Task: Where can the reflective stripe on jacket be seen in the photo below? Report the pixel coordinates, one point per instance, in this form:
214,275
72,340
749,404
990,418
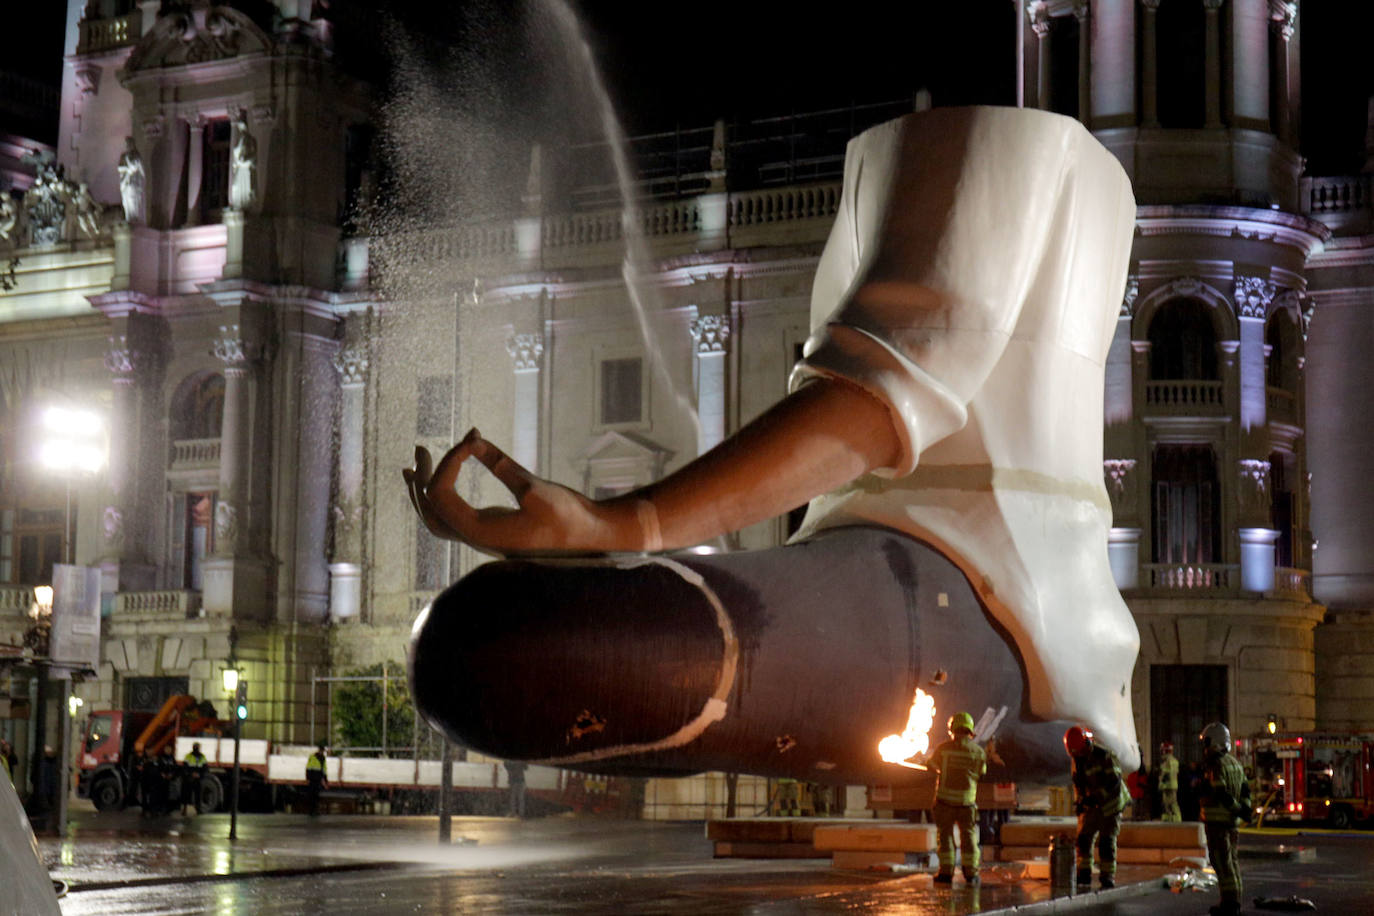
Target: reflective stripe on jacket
961,763
1168,773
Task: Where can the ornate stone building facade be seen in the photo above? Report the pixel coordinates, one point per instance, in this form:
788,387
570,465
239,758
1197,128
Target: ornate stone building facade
262,396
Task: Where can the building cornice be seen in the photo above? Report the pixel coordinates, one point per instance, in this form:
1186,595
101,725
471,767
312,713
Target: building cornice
1305,235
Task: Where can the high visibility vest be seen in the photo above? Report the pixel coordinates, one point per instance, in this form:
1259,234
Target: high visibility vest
1168,773
961,763
194,759
1097,782
5,762
316,762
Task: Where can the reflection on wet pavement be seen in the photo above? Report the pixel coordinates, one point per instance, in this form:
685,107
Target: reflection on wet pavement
118,864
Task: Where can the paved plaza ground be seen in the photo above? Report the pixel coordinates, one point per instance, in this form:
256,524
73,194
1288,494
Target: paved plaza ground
120,863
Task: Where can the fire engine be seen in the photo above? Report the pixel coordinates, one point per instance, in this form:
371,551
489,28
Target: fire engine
1320,776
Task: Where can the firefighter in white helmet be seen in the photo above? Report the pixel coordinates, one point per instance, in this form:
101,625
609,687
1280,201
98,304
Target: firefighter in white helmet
961,763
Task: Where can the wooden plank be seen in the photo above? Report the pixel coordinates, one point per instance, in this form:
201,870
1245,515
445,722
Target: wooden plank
768,851
895,837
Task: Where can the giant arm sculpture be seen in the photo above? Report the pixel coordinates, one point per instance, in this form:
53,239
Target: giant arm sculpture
951,391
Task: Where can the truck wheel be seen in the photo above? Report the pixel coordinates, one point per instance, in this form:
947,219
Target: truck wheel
211,793
1340,817
106,794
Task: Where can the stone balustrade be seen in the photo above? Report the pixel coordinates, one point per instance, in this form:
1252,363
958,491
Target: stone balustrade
666,219
16,599
1185,397
195,453
107,34
1293,582
1192,577
1341,194
169,603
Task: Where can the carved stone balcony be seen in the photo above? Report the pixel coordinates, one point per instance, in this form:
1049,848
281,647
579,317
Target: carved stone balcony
108,34
168,604
15,600
191,454
1201,579
1292,583
1185,398
1345,203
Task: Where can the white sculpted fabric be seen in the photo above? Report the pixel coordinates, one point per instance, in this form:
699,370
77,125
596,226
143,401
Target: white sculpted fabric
972,282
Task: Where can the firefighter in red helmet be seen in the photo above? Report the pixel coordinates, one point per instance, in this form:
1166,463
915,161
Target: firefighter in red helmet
1099,795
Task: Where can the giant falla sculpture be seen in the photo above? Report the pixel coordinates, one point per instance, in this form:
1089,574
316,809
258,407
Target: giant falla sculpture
945,424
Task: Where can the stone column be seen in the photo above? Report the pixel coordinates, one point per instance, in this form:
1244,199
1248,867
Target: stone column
525,351
1149,70
710,333
1040,24
345,572
1257,539
1080,12
1213,109
235,437
1283,26
126,520
195,164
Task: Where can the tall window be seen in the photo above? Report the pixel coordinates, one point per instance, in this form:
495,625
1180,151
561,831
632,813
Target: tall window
622,395
198,408
1283,516
1186,513
214,170
1183,344
192,530
1181,32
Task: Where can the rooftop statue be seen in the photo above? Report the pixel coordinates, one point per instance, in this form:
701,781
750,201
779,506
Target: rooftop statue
949,398
243,164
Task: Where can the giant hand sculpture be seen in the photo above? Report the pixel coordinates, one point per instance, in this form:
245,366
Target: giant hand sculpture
951,390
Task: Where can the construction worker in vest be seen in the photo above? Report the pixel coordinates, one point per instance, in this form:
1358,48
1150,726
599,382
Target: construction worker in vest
1225,797
1100,796
1168,783
316,778
196,768
961,763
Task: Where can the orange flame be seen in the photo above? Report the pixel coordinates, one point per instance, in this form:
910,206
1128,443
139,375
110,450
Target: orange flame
915,739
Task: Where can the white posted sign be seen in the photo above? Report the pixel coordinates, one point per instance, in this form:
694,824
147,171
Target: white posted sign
75,617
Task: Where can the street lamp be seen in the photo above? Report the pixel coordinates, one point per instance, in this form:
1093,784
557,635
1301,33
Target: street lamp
72,442
237,690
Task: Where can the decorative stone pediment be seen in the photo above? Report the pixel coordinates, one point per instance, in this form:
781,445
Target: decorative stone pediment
617,461
197,33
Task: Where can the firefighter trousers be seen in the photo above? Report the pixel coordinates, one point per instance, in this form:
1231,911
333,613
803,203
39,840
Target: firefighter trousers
965,818
1168,803
1222,840
1094,825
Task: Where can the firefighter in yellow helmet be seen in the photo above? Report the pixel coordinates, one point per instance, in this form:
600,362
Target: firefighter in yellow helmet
961,763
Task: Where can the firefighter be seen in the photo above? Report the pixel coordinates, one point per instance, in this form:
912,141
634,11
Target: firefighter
1225,797
196,767
789,797
1100,796
316,778
961,763
1168,783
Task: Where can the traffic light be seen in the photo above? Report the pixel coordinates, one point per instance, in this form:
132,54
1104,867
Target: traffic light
241,701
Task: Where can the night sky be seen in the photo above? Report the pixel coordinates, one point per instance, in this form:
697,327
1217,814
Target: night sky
688,64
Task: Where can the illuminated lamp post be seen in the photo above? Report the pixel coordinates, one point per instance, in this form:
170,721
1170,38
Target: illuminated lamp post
72,441
236,688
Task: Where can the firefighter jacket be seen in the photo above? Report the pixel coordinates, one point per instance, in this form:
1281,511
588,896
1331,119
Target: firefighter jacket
1097,783
1168,774
1225,791
194,760
961,763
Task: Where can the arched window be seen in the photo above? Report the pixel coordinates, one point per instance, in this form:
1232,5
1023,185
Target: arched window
198,407
1183,343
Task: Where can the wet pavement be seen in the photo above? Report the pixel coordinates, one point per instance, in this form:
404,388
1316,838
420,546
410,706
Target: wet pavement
119,863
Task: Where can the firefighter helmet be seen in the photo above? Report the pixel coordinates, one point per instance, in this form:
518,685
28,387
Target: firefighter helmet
1167,747
1078,741
1216,738
961,721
